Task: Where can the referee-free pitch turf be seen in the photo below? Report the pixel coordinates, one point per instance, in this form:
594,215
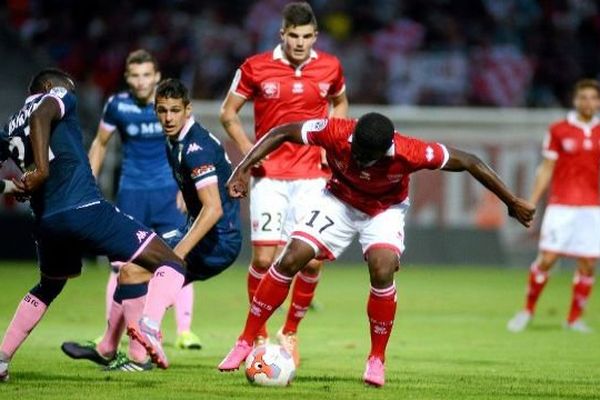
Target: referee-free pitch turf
449,340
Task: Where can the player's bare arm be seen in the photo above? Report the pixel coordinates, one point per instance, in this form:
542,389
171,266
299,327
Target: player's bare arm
518,208
543,176
237,185
210,213
231,121
339,105
40,128
98,149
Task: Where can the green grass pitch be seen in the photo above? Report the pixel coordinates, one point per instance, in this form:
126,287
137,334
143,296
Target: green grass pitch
449,341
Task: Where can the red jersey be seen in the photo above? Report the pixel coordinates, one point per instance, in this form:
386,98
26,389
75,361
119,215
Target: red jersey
576,148
283,93
375,188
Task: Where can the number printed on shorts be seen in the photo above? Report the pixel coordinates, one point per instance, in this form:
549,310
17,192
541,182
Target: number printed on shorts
324,222
268,219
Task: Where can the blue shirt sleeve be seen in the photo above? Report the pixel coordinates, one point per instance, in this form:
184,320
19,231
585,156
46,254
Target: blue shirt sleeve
201,163
109,115
66,100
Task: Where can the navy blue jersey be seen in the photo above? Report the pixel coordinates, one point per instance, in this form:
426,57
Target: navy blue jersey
70,183
198,159
145,164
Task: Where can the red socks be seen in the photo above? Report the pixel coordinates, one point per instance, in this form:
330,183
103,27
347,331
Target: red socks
270,294
254,277
536,283
582,286
302,295
381,309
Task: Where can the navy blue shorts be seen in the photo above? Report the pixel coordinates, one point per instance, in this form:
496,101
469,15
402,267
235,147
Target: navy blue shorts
98,228
211,256
156,208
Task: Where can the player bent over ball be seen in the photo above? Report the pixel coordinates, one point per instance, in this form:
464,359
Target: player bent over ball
366,195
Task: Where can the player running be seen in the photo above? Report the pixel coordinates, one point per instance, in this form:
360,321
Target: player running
147,190
571,224
366,195
70,215
293,82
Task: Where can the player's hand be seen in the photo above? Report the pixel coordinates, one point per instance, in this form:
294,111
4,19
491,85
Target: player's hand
523,211
180,203
32,180
237,185
19,190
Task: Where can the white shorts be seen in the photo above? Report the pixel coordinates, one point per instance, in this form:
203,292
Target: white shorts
277,205
330,226
571,231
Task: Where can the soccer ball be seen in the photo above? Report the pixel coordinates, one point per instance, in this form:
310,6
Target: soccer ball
270,365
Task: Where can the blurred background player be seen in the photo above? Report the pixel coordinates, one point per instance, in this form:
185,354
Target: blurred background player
70,215
366,195
571,224
209,241
147,190
293,82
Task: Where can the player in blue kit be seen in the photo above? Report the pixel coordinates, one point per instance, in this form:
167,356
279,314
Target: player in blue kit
147,190
209,242
70,215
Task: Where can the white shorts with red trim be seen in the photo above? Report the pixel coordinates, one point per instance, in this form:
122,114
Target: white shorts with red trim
330,226
571,230
276,205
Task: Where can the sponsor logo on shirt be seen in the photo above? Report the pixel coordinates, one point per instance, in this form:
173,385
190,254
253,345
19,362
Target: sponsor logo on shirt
202,170
297,88
192,148
270,90
129,108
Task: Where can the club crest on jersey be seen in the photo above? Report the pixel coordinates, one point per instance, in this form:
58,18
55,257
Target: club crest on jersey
324,88
298,88
270,90
569,145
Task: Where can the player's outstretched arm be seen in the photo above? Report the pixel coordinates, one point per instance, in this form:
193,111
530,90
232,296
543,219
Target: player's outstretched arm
518,208
40,125
237,184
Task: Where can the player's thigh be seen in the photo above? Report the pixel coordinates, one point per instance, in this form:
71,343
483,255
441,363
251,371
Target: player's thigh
213,255
302,194
58,257
134,203
384,231
268,208
328,227
164,216
571,231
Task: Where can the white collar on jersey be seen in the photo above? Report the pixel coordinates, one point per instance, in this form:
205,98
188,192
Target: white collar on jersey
586,128
186,128
278,54
390,151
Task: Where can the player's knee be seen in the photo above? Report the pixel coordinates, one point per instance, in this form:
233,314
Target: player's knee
48,289
313,267
262,261
586,266
132,274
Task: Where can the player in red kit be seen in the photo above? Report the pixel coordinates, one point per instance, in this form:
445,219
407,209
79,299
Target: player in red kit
571,224
291,83
366,195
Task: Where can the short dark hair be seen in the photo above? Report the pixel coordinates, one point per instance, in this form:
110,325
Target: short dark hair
298,13
173,89
141,56
373,131
586,84
54,75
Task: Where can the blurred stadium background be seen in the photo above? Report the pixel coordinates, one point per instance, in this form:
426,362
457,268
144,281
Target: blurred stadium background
485,75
